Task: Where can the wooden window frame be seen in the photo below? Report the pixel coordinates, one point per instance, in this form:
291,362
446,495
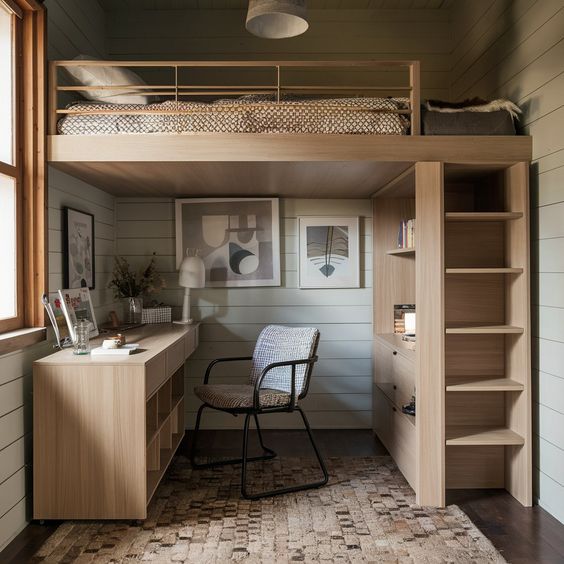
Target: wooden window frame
29,171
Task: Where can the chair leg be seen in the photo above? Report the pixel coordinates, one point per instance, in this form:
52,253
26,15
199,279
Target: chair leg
288,489
195,438
269,453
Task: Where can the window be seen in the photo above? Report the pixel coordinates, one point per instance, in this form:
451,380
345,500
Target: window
22,169
11,314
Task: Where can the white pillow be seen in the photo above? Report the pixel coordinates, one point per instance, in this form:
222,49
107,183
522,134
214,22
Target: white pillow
107,76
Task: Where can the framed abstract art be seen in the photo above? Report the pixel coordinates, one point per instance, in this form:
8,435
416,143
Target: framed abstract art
237,238
329,254
78,249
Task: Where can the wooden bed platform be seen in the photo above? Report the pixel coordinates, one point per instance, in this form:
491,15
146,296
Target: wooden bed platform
286,165
260,164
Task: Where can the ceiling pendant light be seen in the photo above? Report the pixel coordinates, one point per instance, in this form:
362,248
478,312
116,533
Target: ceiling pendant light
276,19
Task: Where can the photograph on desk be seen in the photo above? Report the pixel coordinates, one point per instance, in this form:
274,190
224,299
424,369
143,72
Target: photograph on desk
76,304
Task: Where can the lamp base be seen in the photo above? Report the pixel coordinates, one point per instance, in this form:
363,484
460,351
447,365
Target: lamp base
182,322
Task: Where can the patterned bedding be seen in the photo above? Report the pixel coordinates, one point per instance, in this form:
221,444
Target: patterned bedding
249,114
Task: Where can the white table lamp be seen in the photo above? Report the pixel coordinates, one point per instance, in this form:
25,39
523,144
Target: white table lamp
192,274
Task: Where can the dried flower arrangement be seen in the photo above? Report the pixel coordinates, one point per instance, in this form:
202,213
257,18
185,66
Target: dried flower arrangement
128,284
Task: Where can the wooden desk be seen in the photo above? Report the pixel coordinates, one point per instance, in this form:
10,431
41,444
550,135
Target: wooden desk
105,428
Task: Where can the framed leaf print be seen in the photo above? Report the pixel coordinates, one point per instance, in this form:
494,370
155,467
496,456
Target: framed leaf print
329,254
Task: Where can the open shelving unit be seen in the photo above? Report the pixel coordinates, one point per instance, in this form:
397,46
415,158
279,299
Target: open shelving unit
487,350
165,428
469,279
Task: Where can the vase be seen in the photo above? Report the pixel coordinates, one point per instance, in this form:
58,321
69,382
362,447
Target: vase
133,309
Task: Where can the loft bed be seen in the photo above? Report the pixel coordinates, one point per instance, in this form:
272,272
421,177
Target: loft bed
317,129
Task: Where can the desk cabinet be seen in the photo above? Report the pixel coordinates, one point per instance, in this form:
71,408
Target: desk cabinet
106,428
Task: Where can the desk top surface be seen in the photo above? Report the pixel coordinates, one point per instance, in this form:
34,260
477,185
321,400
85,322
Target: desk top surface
153,338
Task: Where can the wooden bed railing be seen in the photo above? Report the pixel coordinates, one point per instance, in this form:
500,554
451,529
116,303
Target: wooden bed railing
176,90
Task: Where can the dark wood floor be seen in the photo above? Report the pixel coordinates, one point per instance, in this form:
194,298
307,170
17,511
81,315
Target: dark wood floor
522,535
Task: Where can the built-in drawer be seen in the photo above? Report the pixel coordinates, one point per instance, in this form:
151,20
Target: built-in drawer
190,342
155,373
394,373
175,357
403,379
397,431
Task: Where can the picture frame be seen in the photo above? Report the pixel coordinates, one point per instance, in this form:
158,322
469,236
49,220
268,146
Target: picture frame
329,252
79,257
76,303
237,238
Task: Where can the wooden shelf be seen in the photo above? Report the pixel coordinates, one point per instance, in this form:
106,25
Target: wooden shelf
406,251
482,216
483,270
479,435
477,384
154,476
483,330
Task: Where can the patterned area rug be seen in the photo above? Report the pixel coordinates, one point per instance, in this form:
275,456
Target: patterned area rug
366,513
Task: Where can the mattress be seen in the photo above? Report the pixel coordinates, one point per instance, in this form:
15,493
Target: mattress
249,114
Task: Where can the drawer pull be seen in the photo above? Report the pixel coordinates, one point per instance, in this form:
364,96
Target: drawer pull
395,387
395,352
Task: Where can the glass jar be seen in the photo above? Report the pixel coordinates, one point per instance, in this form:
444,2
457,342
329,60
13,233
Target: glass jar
134,310
82,337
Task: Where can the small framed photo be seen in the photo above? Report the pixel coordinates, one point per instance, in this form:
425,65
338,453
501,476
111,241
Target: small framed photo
78,249
76,304
329,254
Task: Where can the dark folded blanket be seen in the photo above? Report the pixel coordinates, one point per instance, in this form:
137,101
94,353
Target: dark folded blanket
467,123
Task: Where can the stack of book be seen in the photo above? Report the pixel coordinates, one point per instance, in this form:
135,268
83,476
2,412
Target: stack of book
406,234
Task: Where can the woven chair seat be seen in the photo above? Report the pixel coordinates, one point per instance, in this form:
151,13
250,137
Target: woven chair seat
231,396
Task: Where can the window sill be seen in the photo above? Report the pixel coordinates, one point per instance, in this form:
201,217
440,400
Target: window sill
21,338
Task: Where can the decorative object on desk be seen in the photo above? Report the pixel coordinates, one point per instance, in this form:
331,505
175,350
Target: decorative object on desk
277,19
131,286
78,249
406,234
115,351
400,310
113,341
329,255
157,314
409,408
238,239
76,304
81,340
192,275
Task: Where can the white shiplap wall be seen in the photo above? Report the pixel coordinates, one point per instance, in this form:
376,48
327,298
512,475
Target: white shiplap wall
340,396
16,368
75,26
516,50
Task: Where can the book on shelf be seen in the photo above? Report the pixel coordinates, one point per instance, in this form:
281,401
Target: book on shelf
406,234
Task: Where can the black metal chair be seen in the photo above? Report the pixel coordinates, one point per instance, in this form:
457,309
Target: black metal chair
282,364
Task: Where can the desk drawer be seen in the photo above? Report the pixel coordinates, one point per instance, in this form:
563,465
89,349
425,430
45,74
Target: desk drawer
190,342
155,373
175,357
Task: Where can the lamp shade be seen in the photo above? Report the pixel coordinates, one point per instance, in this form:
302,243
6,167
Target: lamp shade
277,19
192,273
